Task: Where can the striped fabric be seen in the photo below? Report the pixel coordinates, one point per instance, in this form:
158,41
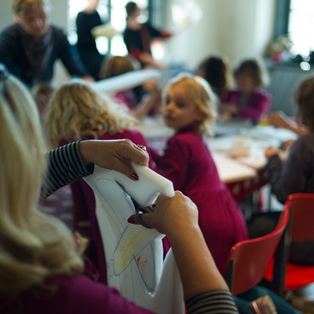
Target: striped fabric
214,302
64,167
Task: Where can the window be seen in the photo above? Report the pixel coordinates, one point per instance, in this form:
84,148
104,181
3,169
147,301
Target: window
301,25
112,11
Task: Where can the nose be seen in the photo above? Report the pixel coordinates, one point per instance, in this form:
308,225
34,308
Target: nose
38,22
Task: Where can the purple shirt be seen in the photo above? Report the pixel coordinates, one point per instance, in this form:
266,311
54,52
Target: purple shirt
188,163
257,105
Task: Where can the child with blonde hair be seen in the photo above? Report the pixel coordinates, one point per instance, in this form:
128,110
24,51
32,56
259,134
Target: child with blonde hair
78,112
250,100
189,108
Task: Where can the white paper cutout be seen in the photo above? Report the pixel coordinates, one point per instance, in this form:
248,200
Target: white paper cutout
134,254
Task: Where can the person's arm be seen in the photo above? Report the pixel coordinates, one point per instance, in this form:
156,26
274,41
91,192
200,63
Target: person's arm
76,160
10,52
177,218
280,120
291,177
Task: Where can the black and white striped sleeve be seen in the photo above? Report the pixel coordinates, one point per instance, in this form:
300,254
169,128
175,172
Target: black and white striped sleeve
65,166
214,302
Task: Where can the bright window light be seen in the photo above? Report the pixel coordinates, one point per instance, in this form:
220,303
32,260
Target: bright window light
301,25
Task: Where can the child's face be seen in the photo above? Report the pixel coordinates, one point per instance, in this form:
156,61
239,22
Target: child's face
180,111
245,84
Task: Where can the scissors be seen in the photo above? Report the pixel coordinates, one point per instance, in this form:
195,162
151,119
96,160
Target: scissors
139,209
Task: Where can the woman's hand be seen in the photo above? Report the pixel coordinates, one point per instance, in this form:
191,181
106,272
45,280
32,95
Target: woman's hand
114,155
175,215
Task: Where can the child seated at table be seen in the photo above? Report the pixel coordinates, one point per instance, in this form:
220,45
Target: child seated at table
77,112
142,100
189,108
250,100
216,70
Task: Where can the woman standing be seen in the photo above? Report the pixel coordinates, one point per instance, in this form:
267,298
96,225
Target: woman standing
30,47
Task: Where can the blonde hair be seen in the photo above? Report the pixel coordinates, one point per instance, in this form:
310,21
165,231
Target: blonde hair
77,111
202,96
33,246
19,6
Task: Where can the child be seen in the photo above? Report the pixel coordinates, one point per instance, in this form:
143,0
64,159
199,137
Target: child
189,108
142,100
250,101
77,112
217,72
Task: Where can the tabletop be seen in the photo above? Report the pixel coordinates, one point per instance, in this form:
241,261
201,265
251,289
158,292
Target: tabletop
237,148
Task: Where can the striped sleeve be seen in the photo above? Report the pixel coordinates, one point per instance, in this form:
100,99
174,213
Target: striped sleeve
214,302
65,166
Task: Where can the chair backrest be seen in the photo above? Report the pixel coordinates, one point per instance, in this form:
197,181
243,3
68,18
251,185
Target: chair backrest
299,228
302,216
248,260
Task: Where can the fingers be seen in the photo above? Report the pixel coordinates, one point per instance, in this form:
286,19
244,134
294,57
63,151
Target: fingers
114,155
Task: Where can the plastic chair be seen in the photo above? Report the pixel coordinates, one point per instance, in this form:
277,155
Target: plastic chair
283,275
248,260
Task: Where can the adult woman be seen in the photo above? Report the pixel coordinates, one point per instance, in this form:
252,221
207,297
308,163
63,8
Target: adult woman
86,20
41,270
30,47
137,36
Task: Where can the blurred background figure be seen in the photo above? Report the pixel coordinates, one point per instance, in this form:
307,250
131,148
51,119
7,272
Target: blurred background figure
249,100
31,46
86,20
138,36
216,70
142,100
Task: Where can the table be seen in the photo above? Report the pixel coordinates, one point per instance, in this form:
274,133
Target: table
242,174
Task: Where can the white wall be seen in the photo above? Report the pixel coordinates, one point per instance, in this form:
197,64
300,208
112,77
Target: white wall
235,28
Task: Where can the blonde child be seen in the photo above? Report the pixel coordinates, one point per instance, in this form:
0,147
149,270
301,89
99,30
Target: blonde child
250,100
78,112
189,108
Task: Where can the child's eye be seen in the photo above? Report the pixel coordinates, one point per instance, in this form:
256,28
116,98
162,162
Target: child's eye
180,104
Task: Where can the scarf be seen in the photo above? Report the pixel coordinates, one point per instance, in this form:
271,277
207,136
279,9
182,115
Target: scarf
37,49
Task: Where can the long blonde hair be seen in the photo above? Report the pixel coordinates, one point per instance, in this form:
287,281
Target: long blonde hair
77,111
203,97
33,246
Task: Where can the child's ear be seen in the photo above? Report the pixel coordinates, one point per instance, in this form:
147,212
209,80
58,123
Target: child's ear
200,116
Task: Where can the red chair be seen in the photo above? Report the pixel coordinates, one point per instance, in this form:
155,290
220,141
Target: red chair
249,259
284,275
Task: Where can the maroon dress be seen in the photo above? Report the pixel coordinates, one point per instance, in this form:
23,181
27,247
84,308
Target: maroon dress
188,163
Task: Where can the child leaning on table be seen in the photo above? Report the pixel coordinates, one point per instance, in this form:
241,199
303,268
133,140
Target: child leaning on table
78,112
189,107
250,100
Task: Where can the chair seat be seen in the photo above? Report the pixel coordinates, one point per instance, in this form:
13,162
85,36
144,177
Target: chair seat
297,276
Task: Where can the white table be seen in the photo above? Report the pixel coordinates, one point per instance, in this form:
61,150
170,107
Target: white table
232,169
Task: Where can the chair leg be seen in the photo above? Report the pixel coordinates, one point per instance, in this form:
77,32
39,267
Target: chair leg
280,262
